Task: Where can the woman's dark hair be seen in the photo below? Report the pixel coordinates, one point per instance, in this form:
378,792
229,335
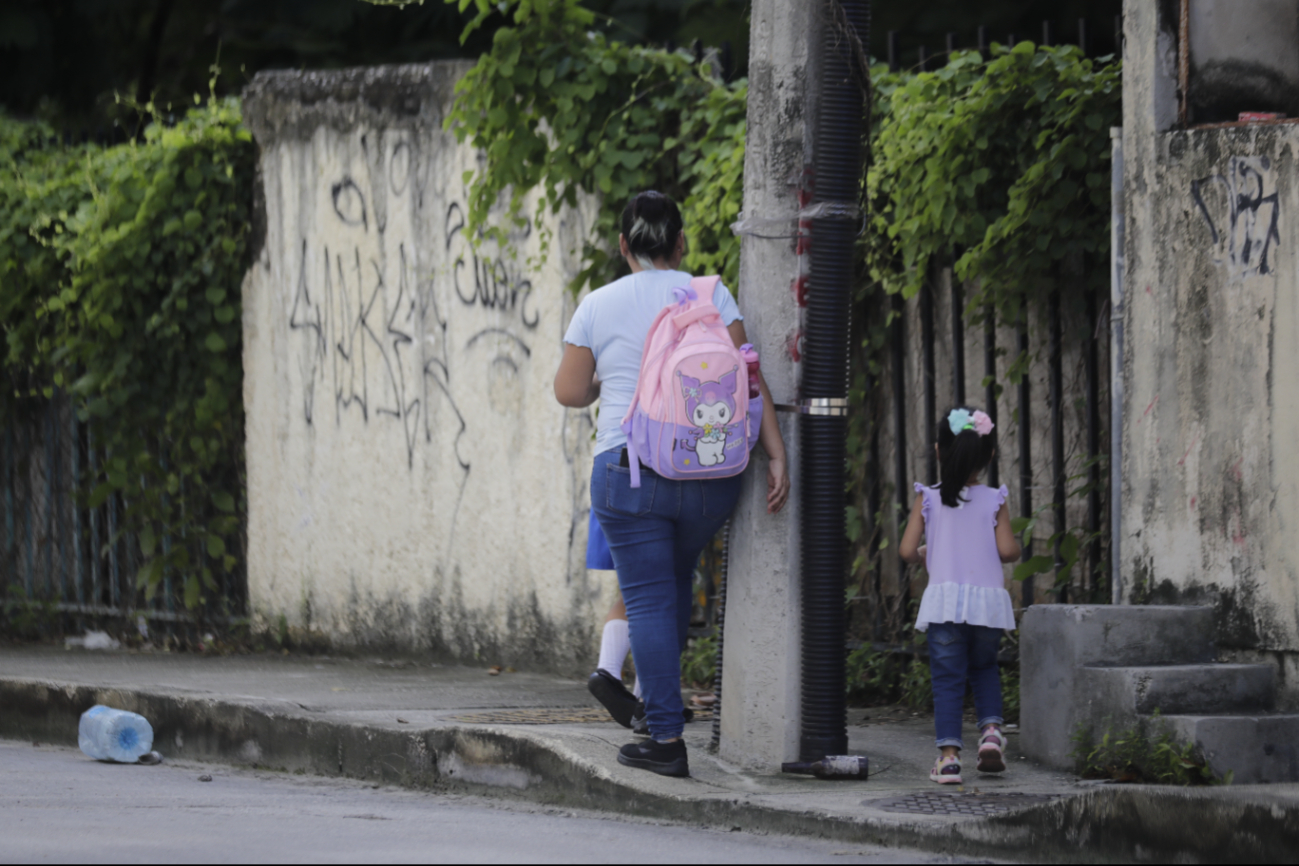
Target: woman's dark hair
960,455
650,223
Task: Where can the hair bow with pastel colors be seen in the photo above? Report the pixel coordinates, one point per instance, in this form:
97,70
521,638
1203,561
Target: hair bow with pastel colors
960,420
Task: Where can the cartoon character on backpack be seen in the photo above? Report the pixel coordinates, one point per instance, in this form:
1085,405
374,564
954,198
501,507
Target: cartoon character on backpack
682,422
711,405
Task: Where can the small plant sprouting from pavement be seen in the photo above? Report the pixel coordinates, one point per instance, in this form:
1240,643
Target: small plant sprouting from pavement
1140,755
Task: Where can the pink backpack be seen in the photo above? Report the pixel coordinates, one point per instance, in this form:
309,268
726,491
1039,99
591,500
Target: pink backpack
691,416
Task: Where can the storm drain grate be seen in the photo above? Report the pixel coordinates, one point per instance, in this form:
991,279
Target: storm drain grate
551,716
959,805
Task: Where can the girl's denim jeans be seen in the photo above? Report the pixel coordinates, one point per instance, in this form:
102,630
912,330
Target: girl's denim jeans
959,652
656,533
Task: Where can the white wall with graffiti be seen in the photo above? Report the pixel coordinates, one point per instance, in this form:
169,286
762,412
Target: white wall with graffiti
1211,410
412,483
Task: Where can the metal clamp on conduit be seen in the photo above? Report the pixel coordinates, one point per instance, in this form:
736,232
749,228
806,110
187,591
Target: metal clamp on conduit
833,406
822,210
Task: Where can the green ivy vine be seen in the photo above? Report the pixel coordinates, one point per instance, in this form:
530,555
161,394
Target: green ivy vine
560,109
120,274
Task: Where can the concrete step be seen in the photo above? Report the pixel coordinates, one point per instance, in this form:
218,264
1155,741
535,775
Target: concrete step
1254,748
1200,689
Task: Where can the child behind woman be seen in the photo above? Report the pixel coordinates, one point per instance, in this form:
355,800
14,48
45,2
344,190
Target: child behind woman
966,607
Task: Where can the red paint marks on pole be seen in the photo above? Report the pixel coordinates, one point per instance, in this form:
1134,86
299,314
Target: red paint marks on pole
1194,499
799,287
794,346
1148,408
1194,442
1235,470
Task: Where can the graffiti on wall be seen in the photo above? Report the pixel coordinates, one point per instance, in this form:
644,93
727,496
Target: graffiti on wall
373,325
1242,212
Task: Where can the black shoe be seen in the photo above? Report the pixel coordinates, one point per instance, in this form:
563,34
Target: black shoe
666,759
640,724
610,691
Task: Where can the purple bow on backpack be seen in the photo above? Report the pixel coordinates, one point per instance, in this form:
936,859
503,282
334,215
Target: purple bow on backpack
684,295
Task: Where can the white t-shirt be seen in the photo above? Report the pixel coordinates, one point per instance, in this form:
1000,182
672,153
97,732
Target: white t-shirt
613,322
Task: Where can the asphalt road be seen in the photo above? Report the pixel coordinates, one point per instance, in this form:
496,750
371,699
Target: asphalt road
57,806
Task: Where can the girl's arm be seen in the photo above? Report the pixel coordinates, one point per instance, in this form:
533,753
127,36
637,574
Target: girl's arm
909,549
1007,544
772,442
575,384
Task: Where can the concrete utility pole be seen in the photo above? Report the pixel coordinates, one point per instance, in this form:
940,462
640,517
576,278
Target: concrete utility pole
761,667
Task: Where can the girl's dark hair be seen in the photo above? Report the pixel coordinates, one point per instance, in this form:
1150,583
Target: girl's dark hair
960,455
650,223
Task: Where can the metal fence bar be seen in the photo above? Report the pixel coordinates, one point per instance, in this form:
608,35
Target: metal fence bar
873,500
79,569
30,517
11,538
1056,389
898,340
930,397
990,373
958,342
114,571
51,449
1025,458
1092,372
96,558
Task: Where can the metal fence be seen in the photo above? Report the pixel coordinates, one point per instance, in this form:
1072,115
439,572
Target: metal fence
56,550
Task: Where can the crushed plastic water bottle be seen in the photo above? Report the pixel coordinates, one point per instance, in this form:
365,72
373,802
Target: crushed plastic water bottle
106,734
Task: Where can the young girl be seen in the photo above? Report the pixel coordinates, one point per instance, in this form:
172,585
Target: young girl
965,607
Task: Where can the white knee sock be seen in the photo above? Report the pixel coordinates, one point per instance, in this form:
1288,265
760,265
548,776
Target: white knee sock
635,688
614,646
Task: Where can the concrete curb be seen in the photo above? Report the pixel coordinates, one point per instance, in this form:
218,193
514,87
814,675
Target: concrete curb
1120,824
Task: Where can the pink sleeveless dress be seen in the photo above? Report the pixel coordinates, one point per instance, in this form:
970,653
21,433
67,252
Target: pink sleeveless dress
966,580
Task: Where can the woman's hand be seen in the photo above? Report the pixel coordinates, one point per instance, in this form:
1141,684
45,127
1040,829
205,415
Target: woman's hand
777,484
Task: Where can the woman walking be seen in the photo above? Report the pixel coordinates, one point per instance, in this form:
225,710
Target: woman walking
656,530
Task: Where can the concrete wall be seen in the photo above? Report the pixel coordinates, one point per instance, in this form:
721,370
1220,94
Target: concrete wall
412,483
1211,491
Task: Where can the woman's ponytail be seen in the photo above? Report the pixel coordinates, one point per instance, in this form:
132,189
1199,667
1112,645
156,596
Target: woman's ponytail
966,444
651,223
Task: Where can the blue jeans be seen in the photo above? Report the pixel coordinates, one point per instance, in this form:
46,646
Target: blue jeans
656,533
959,652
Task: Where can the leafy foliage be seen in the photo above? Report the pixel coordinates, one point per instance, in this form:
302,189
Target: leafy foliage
1005,161
877,678
562,110
120,272
1138,754
699,662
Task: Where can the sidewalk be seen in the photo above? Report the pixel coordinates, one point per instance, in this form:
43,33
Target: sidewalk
420,725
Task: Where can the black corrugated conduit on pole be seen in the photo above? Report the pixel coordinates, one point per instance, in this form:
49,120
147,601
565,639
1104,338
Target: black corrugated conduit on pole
721,636
823,424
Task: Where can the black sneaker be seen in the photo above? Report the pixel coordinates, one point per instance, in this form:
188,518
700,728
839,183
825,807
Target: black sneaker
610,691
666,759
640,724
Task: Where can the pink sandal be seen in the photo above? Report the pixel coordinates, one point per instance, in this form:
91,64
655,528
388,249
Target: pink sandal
946,771
991,747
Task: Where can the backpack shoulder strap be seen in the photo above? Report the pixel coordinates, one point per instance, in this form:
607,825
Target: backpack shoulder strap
705,286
